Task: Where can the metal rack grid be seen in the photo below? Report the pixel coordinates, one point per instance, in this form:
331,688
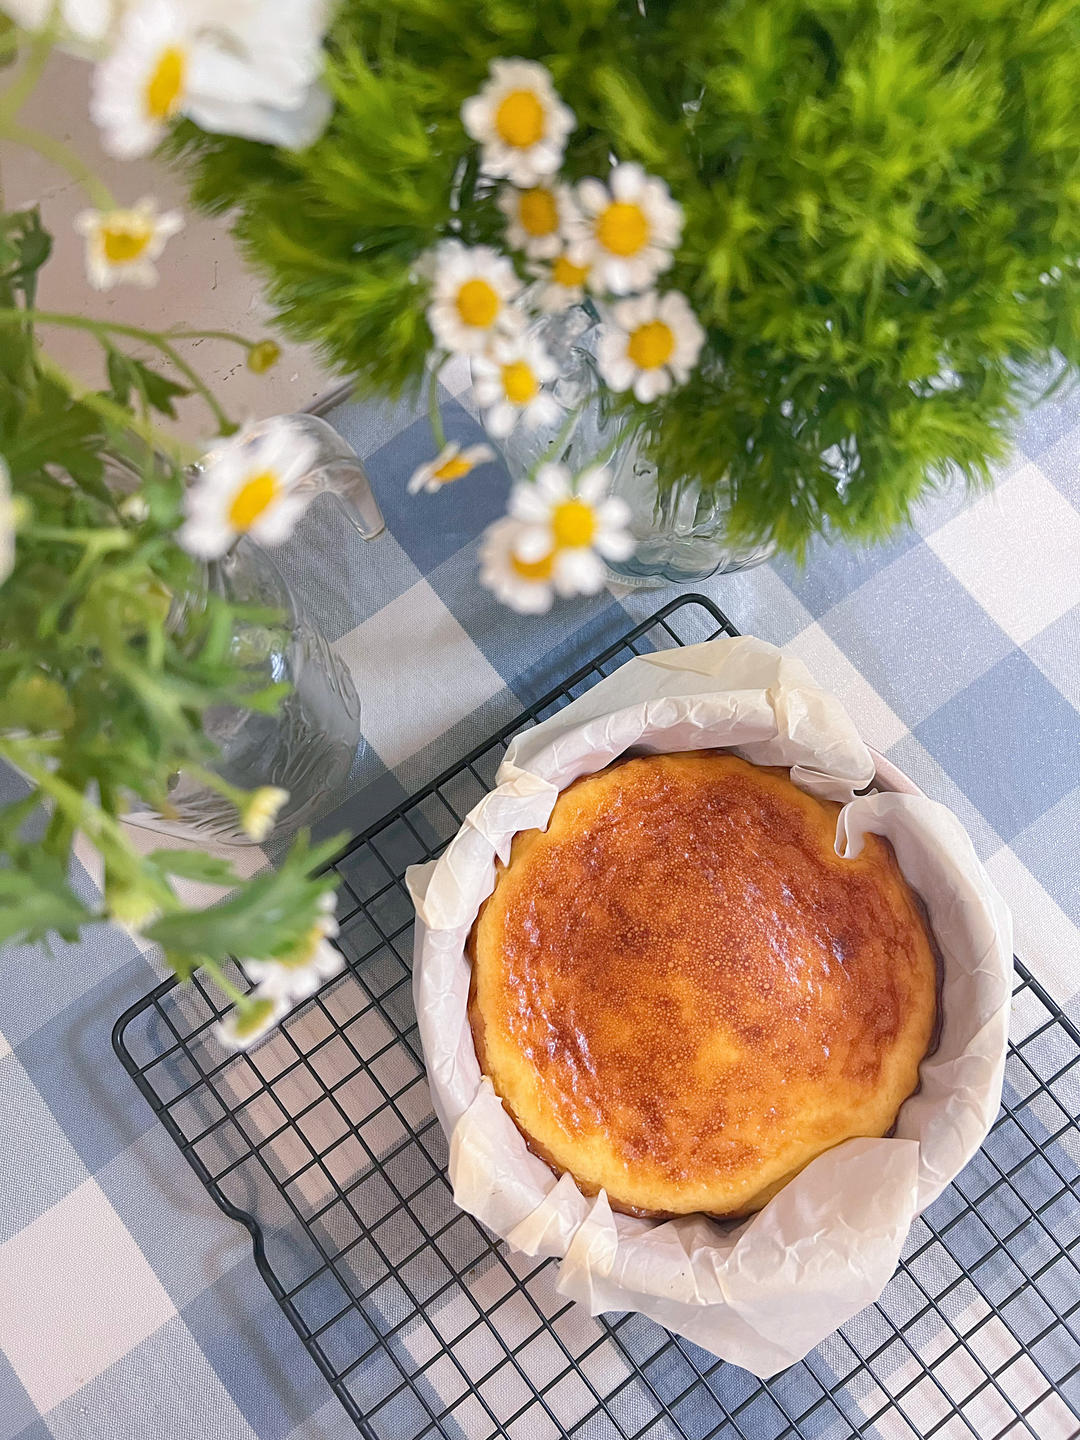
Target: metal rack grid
322,1141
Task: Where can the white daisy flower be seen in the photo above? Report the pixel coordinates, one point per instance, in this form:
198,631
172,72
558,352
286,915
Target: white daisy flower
240,1029
249,70
261,811
290,982
259,74
508,384
562,284
649,344
325,928
122,245
144,84
8,516
578,523
312,953
452,463
471,297
535,218
527,586
625,231
249,485
85,20
520,122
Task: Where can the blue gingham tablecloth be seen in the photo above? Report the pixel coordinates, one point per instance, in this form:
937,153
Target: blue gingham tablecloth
130,1307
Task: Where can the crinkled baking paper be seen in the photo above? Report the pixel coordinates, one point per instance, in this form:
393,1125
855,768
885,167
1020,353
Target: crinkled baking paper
763,1292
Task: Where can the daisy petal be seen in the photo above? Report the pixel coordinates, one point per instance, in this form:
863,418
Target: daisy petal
613,513
628,182
500,420
592,195
579,572
553,482
544,410
615,544
619,374
528,504
532,543
592,486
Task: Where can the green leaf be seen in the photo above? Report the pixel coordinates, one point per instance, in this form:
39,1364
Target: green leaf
194,865
26,247
183,966
267,917
127,374
53,430
36,703
121,377
160,391
37,900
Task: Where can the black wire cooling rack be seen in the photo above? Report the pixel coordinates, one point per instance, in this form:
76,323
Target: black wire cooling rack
322,1141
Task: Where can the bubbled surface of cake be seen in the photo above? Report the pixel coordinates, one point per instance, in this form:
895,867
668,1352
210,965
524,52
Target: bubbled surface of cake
683,995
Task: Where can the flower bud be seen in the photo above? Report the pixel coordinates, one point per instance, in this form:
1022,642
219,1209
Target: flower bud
263,356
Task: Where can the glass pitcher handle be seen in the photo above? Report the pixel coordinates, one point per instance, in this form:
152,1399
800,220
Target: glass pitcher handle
348,481
339,471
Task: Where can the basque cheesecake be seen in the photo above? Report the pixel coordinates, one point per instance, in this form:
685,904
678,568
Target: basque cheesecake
683,995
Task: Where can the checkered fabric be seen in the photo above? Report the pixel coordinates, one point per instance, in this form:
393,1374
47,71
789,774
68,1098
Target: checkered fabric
130,1306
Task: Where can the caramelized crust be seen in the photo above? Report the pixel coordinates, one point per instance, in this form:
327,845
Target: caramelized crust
683,995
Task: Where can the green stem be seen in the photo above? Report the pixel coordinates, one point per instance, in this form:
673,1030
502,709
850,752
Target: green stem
114,327
25,83
557,446
102,328
433,408
605,455
181,332
224,984
59,834
182,453
81,812
99,541
198,384
63,157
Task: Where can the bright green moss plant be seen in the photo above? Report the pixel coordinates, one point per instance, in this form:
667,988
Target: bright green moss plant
882,203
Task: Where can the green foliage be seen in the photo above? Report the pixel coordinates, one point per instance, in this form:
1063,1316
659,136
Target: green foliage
36,900
111,652
882,218
268,917
158,392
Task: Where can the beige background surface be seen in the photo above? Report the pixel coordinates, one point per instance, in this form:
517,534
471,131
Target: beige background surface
203,281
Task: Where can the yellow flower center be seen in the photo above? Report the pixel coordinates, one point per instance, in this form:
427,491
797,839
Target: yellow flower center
533,569
166,83
125,240
573,524
253,497
304,953
622,228
563,272
478,303
453,469
537,211
253,1018
519,120
263,356
651,345
519,382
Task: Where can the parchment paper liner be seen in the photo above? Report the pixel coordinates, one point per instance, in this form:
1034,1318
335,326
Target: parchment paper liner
764,1292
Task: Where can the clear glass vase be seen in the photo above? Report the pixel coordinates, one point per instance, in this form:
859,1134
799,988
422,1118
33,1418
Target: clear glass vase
680,528
308,745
